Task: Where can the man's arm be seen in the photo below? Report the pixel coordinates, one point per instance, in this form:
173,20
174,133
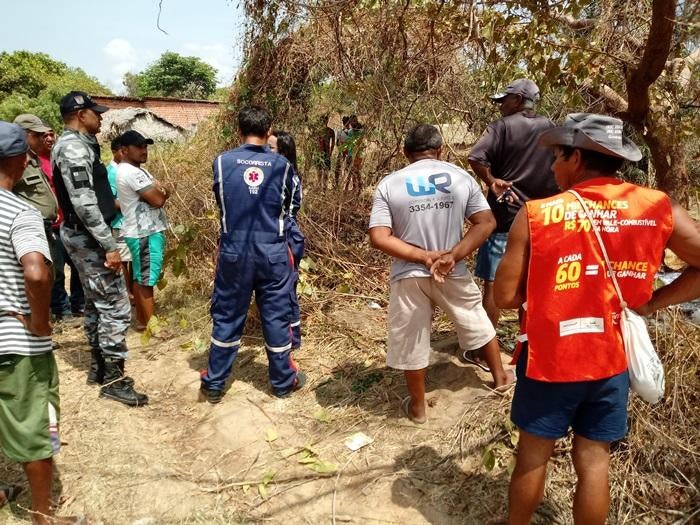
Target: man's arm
685,242
382,238
487,148
155,195
497,186
511,275
37,284
483,224
75,164
32,252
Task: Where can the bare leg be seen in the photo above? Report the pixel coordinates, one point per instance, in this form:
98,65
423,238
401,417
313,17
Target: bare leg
527,481
592,498
126,269
492,355
39,474
492,310
415,382
145,304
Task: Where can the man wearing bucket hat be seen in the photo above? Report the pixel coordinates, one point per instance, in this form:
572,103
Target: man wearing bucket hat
84,194
29,406
571,367
507,159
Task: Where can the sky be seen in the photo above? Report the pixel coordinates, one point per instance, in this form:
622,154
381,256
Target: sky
108,39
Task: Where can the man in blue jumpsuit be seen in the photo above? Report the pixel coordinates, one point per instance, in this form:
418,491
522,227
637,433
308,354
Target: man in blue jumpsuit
251,186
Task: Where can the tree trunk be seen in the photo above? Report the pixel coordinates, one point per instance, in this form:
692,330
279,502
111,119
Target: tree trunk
668,157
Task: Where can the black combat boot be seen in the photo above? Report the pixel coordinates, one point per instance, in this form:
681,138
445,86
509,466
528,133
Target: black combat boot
117,388
96,374
128,380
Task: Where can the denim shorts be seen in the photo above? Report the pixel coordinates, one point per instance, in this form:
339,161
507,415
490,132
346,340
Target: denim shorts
595,410
489,256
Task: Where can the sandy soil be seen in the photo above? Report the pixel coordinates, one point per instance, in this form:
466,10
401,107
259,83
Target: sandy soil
255,458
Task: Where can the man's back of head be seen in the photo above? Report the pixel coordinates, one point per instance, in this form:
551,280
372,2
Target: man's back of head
421,138
254,121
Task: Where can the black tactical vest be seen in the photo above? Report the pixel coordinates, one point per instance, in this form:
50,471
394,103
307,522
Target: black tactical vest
100,185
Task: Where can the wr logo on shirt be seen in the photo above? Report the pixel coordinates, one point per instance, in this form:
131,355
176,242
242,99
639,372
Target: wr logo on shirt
438,182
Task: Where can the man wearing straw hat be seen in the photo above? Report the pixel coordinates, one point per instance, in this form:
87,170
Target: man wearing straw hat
572,367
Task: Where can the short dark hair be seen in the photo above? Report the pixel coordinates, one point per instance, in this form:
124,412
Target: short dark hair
116,143
594,160
286,147
254,120
421,138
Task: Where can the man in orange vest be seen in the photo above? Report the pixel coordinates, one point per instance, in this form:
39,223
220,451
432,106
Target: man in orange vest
572,369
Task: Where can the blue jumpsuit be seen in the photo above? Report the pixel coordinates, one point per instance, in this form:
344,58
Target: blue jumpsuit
252,185
296,241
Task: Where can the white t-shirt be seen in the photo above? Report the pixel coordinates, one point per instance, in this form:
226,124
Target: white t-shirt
21,232
140,218
425,204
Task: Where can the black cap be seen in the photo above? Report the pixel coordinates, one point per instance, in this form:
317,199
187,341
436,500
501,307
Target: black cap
134,138
76,100
524,87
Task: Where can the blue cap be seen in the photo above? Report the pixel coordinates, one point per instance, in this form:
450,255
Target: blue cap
13,140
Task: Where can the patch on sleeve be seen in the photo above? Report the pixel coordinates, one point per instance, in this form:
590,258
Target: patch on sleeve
80,177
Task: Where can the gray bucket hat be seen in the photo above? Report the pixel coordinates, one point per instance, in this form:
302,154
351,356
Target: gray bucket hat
30,122
524,87
13,140
594,132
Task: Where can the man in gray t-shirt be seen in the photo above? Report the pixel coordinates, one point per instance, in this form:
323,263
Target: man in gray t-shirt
513,167
418,217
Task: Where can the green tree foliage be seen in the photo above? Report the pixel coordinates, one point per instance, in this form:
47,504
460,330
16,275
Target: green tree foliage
173,75
35,82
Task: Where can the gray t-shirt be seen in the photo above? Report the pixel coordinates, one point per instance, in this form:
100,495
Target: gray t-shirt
425,205
509,148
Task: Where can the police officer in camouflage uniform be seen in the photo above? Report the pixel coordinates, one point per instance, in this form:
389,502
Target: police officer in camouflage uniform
34,187
86,199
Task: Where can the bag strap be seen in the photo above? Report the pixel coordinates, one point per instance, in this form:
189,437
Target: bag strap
594,226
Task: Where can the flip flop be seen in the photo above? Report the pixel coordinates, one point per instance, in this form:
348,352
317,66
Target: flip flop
406,407
11,493
472,357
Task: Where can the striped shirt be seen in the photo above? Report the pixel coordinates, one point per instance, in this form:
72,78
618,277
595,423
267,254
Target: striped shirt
21,232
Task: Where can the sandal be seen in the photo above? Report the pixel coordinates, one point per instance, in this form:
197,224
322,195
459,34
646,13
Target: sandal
473,358
406,407
11,492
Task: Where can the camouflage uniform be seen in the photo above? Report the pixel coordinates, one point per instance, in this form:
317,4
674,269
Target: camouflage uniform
34,188
87,237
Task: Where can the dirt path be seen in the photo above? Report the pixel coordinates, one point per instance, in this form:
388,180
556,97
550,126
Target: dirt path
254,458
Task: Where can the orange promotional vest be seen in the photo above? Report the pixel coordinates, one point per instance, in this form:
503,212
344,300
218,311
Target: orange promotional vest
573,312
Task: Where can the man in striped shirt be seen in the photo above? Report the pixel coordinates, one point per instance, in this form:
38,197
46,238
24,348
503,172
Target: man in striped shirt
29,405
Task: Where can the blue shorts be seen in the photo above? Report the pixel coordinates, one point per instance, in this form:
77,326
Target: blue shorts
595,410
489,256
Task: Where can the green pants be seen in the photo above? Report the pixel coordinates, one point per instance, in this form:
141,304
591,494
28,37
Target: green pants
29,407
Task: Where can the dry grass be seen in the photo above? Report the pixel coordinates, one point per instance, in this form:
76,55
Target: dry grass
179,461
654,471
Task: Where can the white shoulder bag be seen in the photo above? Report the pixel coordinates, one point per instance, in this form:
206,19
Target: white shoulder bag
645,368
